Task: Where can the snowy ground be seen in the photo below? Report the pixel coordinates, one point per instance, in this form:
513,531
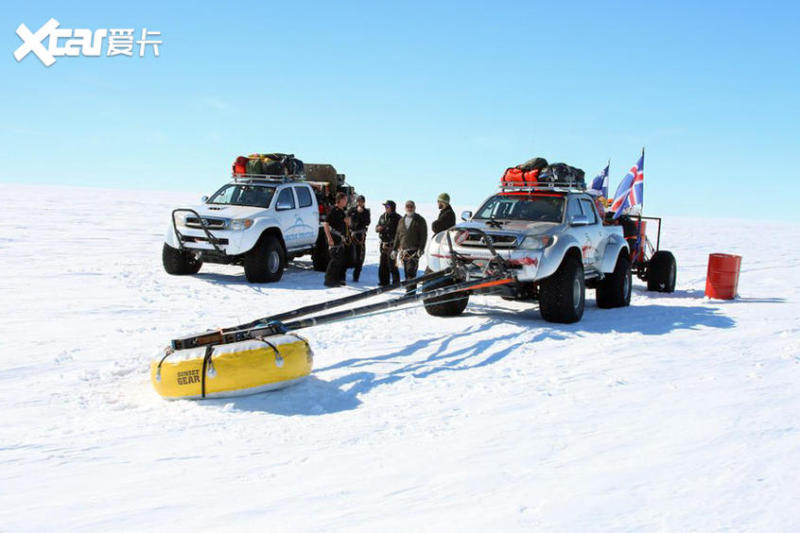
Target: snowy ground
678,413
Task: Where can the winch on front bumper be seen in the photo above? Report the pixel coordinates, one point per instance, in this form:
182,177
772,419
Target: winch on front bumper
483,261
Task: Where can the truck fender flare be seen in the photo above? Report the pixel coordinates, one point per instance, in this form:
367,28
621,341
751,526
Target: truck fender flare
275,232
261,226
170,238
554,255
615,247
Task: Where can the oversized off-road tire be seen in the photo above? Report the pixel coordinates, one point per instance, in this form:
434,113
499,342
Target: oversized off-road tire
266,261
562,296
662,272
178,262
615,289
447,305
320,255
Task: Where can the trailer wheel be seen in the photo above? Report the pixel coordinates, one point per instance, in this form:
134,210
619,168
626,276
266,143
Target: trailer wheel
562,296
615,289
320,256
178,262
266,261
662,272
446,305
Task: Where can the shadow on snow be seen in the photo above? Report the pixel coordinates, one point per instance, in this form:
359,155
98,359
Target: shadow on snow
315,396
310,397
301,276
647,320
699,295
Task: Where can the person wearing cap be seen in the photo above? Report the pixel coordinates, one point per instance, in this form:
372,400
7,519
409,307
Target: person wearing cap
387,229
359,223
447,217
409,243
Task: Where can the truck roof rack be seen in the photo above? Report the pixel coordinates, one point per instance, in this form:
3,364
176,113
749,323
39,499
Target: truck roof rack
268,178
542,187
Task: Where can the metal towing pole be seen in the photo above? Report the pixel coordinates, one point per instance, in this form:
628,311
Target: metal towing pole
271,325
234,334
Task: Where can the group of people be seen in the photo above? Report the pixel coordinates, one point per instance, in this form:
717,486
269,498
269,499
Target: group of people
402,239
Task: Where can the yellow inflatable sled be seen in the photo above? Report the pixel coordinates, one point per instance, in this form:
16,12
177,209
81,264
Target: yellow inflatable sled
234,369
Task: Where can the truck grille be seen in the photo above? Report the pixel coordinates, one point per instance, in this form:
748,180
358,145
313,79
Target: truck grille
211,223
474,240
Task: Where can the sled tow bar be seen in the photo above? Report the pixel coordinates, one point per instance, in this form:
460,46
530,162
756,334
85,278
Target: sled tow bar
396,302
235,333
272,326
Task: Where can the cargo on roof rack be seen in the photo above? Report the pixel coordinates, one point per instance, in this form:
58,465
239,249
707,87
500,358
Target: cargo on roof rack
537,172
276,178
544,187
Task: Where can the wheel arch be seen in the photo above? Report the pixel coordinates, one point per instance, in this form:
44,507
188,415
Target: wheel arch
555,255
273,232
614,249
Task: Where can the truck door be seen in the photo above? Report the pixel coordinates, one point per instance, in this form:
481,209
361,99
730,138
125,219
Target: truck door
581,233
309,213
594,231
287,214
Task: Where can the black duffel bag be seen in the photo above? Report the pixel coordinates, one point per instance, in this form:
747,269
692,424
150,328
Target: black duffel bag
562,173
281,164
537,163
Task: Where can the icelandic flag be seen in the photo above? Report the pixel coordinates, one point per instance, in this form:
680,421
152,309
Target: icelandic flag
600,183
630,193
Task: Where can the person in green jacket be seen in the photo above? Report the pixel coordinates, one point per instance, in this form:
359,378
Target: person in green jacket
447,217
409,242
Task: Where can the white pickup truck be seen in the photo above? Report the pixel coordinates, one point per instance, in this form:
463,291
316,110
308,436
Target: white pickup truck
553,242
259,223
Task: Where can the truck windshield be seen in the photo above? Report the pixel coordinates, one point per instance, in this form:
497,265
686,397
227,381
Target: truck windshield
238,194
533,208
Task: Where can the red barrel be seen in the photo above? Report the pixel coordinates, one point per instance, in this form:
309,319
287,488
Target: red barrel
722,278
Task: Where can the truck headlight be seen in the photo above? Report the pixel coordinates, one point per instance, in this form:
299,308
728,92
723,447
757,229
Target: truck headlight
180,219
241,223
537,242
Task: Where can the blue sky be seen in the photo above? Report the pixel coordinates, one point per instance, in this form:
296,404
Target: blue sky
412,99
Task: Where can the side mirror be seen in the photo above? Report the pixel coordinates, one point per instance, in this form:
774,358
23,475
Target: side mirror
466,215
203,199
283,206
579,220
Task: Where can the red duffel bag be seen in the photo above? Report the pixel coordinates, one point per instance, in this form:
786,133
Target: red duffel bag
240,166
515,177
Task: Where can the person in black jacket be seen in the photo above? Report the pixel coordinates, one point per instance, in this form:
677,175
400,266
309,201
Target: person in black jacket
335,227
359,223
447,217
387,229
